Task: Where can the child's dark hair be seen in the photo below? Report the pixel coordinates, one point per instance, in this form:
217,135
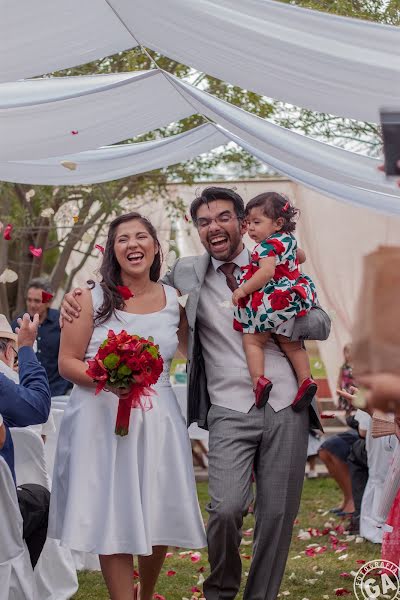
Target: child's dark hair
275,206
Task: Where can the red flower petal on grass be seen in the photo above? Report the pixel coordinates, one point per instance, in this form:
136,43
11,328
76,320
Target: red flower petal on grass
324,416
344,575
360,561
310,552
124,291
99,248
135,574
201,570
46,297
171,573
195,557
342,592
158,597
36,252
195,590
7,232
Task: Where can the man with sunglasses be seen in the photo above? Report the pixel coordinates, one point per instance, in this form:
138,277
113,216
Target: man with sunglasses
22,404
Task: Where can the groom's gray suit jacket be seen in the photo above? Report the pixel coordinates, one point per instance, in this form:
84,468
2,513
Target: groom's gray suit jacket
187,275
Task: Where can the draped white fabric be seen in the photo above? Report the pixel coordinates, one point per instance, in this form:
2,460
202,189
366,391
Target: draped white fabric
38,117
50,35
335,237
114,162
344,175
43,118
316,60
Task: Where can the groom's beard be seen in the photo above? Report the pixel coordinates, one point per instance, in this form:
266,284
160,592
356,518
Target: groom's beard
230,249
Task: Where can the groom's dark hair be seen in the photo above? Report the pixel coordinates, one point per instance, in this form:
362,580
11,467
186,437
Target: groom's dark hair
210,194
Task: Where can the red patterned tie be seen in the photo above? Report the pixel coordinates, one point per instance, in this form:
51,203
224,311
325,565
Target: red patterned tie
228,269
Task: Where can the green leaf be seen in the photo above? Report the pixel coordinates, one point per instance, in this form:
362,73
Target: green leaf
153,351
263,318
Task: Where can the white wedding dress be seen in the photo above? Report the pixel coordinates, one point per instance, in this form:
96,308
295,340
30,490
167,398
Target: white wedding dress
114,494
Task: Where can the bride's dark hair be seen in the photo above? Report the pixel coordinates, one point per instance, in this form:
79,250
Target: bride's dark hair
111,271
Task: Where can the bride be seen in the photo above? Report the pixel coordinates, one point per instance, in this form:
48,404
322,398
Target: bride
120,496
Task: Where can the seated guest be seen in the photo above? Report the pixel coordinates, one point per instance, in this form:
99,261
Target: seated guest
21,405
358,465
48,338
334,452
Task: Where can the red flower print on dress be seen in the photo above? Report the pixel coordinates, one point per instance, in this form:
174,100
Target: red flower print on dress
284,271
302,313
248,271
280,299
279,248
237,326
300,291
256,299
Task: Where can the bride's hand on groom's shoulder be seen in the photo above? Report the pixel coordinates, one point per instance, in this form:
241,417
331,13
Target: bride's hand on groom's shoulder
70,307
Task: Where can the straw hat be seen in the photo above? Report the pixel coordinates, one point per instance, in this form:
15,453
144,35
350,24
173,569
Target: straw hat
5,329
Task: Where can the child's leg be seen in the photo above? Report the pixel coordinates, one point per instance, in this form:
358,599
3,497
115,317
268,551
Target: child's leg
298,357
253,346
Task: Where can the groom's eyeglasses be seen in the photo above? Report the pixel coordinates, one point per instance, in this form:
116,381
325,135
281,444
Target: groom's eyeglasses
223,219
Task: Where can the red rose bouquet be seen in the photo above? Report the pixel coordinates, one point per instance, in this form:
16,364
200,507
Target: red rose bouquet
131,363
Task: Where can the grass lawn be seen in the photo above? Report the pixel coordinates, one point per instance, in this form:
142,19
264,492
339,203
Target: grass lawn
317,575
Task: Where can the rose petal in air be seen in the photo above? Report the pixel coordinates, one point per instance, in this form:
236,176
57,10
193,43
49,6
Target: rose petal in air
101,249
68,164
8,276
46,297
36,252
7,231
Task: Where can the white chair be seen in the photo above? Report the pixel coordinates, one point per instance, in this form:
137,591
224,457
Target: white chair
16,575
55,573
52,439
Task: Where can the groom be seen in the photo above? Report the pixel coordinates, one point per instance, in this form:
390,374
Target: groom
220,397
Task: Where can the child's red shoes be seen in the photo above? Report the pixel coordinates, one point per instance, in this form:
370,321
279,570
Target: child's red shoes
304,396
263,388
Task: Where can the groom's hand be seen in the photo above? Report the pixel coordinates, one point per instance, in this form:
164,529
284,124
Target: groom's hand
70,307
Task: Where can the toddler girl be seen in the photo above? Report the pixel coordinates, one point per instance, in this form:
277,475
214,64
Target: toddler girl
271,291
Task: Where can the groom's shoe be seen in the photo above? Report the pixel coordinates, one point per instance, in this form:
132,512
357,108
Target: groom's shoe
304,396
262,391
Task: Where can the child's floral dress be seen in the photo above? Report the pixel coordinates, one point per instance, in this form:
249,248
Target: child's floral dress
288,294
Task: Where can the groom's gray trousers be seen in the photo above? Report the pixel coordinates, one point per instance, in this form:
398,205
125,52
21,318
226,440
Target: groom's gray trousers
276,443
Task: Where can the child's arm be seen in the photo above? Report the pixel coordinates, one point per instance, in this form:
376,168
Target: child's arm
257,281
301,256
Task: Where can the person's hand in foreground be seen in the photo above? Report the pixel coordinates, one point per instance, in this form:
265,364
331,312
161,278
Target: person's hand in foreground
382,391
70,307
382,168
27,330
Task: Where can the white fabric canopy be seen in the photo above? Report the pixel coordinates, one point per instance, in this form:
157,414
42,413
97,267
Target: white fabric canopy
341,174
114,162
108,108
37,117
316,60
50,35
